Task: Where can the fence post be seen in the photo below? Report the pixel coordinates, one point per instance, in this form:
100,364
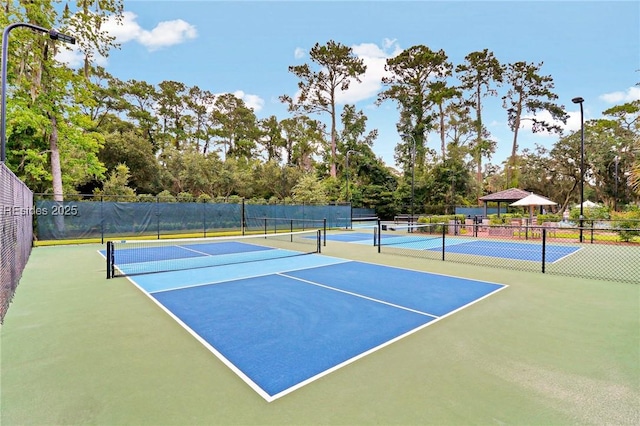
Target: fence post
242,221
544,248
204,218
445,228
101,221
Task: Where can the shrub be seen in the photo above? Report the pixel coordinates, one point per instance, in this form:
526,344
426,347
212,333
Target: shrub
628,224
146,198
204,198
185,197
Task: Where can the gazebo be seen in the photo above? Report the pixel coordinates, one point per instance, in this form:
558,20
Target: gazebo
507,196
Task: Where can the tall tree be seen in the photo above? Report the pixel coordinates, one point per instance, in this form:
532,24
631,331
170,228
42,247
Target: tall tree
236,127
271,138
415,73
200,103
86,21
302,139
529,92
140,98
442,96
172,105
355,143
478,75
51,93
319,89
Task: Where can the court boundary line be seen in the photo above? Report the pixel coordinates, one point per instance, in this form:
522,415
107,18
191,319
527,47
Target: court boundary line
362,296
522,243
243,278
206,344
389,342
271,398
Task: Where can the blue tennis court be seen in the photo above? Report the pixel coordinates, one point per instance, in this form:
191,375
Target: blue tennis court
470,246
509,250
282,323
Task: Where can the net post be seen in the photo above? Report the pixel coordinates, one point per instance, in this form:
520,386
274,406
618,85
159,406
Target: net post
379,234
319,248
109,260
544,248
265,226
324,229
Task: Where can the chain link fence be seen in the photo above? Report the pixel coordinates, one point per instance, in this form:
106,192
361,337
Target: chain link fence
611,254
98,218
16,234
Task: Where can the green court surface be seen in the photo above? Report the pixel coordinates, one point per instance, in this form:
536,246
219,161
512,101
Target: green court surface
78,349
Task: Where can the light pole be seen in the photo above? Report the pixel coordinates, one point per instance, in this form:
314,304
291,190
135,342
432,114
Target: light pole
579,100
54,35
346,167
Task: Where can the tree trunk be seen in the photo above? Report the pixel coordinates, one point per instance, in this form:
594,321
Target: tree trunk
479,143
56,170
56,173
333,140
443,146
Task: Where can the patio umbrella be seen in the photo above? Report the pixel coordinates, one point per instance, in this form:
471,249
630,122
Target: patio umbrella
588,204
533,200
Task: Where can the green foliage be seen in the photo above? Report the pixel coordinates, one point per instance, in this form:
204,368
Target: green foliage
309,191
147,198
166,197
549,217
116,187
204,198
504,218
590,213
185,197
628,223
234,199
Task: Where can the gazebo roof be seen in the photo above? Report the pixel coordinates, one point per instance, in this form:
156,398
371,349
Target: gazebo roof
511,194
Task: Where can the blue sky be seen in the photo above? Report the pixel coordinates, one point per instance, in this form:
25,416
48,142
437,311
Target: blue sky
591,49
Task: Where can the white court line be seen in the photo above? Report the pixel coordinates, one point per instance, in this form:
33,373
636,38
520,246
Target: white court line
360,295
248,277
383,345
271,398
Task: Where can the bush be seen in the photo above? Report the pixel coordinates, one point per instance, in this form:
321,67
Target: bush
628,223
549,217
204,198
166,197
146,198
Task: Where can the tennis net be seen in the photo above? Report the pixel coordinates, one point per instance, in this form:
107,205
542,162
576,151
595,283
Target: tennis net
414,236
137,257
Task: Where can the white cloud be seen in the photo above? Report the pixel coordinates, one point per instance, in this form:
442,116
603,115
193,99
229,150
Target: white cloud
632,94
299,53
164,34
375,58
254,102
70,56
